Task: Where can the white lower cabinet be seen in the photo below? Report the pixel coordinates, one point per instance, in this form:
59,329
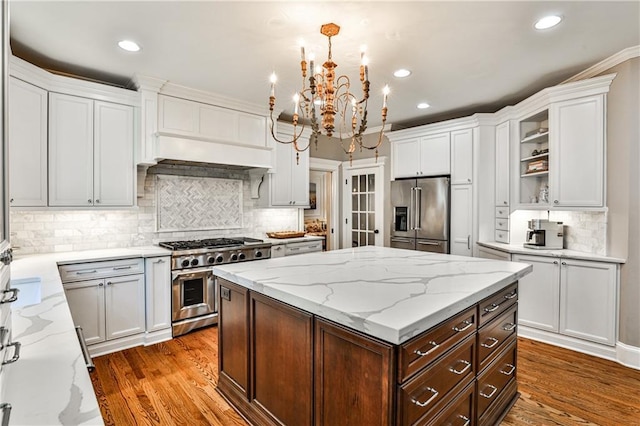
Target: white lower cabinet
107,308
572,297
157,275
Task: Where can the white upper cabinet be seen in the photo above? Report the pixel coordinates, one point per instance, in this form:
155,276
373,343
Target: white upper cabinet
577,133
27,144
90,152
462,157
502,165
70,150
288,186
195,119
422,156
113,154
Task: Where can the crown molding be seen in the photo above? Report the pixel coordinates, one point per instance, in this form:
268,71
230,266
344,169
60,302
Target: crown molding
608,63
144,82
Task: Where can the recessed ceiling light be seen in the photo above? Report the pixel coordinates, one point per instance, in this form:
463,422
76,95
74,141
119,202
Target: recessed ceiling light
547,22
401,73
423,105
128,45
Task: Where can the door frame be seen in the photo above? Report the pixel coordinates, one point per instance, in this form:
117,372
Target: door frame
347,168
324,165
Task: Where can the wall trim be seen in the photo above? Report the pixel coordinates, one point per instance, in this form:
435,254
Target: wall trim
608,63
628,355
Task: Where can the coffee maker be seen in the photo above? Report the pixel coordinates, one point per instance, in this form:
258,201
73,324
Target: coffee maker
544,234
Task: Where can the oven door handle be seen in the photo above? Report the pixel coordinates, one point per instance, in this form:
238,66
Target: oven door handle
190,272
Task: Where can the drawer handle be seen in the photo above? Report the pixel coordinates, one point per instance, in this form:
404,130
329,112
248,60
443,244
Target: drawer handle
4,337
294,248
424,404
85,351
490,345
435,346
119,268
14,295
510,295
510,372
467,325
467,422
467,366
16,354
493,308
86,272
493,391
6,413
509,327
159,261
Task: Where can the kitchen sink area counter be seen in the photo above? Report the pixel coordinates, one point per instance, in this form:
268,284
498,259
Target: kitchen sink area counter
369,335
561,253
51,385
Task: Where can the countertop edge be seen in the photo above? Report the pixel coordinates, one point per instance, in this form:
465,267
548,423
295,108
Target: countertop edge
564,253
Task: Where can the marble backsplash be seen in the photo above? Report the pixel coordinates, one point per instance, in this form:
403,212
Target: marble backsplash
46,231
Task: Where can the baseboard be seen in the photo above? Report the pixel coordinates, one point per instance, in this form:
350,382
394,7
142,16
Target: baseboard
626,355
151,338
629,356
116,345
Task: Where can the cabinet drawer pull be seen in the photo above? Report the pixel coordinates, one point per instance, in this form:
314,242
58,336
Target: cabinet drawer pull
6,413
435,346
12,298
511,295
467,366
424,404
16,354
493,308
4,337
159,261
120,268
467,422
86,272
509,327
493,391
512,368
490,345
467,325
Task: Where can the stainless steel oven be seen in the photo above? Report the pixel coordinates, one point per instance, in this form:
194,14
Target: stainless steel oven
193,300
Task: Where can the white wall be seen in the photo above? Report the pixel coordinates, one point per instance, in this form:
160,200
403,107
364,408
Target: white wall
44,231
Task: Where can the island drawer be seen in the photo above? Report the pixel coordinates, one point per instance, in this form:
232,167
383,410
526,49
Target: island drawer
419,398
459,412
92,270
496,304
428,346
496,378
492,337
502,212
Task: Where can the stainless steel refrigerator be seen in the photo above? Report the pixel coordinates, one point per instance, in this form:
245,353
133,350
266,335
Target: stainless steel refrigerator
420,214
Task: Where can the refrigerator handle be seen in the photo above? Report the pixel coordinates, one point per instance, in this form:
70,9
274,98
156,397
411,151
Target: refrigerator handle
411,211
418,207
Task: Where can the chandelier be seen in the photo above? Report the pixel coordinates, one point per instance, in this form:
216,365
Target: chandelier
333,97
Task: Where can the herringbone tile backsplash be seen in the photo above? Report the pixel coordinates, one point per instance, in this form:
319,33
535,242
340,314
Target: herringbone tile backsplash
197,203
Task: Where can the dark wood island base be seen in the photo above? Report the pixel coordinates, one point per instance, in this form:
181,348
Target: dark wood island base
280,365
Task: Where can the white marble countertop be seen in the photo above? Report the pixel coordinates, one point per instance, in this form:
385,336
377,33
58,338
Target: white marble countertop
387,293
569,254
50,383
280,241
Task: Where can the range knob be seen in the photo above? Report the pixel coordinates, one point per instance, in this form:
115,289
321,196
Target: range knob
185,263
219,259
242,256
234,257
258,254
211,260
194,262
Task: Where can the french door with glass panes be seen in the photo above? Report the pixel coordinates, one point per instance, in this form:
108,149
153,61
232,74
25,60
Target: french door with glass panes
363,207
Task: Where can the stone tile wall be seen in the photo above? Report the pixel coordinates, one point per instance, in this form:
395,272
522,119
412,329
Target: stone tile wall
45,231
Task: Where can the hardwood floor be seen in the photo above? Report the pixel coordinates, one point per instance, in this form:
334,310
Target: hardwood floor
173,383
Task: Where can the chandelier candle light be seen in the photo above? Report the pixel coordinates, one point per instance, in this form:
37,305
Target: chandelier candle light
333,96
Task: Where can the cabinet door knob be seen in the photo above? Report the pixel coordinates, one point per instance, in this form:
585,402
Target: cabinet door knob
555,262
505,203
564,263
469,180
11,200
555,201
89,201
97,201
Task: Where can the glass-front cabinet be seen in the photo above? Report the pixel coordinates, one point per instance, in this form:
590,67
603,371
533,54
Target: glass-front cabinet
534,159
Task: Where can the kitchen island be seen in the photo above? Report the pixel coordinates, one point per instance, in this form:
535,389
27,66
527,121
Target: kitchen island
369,335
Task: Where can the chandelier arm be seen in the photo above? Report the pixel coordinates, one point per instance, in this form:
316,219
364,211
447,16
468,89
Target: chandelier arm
295,139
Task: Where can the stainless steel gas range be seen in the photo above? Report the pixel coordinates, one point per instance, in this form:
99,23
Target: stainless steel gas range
193,291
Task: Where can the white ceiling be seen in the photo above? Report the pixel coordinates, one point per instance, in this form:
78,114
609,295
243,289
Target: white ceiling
465,56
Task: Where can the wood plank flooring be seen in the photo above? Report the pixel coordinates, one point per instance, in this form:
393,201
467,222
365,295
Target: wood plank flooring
173,383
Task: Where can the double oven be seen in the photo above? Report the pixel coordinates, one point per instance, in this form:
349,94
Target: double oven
193,290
